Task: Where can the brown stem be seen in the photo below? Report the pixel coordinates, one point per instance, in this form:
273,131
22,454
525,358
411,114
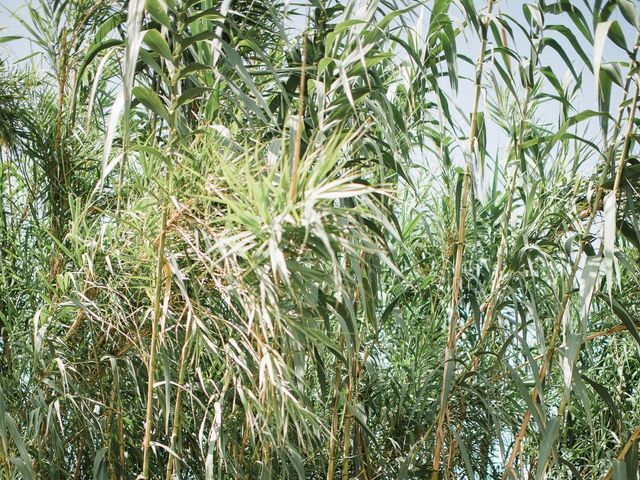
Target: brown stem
466,187
78,469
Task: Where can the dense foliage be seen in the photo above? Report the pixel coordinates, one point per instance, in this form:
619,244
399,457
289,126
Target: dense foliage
259,239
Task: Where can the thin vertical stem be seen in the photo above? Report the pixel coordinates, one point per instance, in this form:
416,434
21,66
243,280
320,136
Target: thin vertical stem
346,430
334,418
154,337
466,187
177,410
293,187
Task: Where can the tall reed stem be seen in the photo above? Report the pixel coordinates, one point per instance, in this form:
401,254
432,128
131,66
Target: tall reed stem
293,188
466,187
154,338
177,410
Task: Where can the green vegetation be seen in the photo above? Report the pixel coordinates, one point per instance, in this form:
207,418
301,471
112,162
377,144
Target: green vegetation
255,239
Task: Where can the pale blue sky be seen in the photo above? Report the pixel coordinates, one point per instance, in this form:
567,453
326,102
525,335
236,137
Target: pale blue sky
12,27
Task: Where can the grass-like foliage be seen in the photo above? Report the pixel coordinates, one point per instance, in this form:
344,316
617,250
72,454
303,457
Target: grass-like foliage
262,239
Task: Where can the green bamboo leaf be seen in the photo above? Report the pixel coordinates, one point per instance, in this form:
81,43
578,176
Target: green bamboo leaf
114,119
238,65
187,42
464,453
604,100
614,72
603,13
151,61
158,11
158,44
575,14
569,35
108,26
191,68
9,38
561,51
629,12
296,461
631,462
588,283
439,14
620,470
626,318
212,14
95,50
134,40
604,394
346,86
17,441
581,393
100,471
150,100
190,95
617,35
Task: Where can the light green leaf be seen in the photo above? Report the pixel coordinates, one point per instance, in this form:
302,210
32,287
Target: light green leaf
150,100
190,95
629,12
158,44
158,10
588,284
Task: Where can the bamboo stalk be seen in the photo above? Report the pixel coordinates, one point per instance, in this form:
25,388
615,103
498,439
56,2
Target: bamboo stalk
162,264
334,418
177,409
121,441
154,341
346,430
60,168
78,469
502,249
293,187
466,187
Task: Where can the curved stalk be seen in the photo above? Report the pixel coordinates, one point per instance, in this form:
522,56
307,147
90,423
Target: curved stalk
334,418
